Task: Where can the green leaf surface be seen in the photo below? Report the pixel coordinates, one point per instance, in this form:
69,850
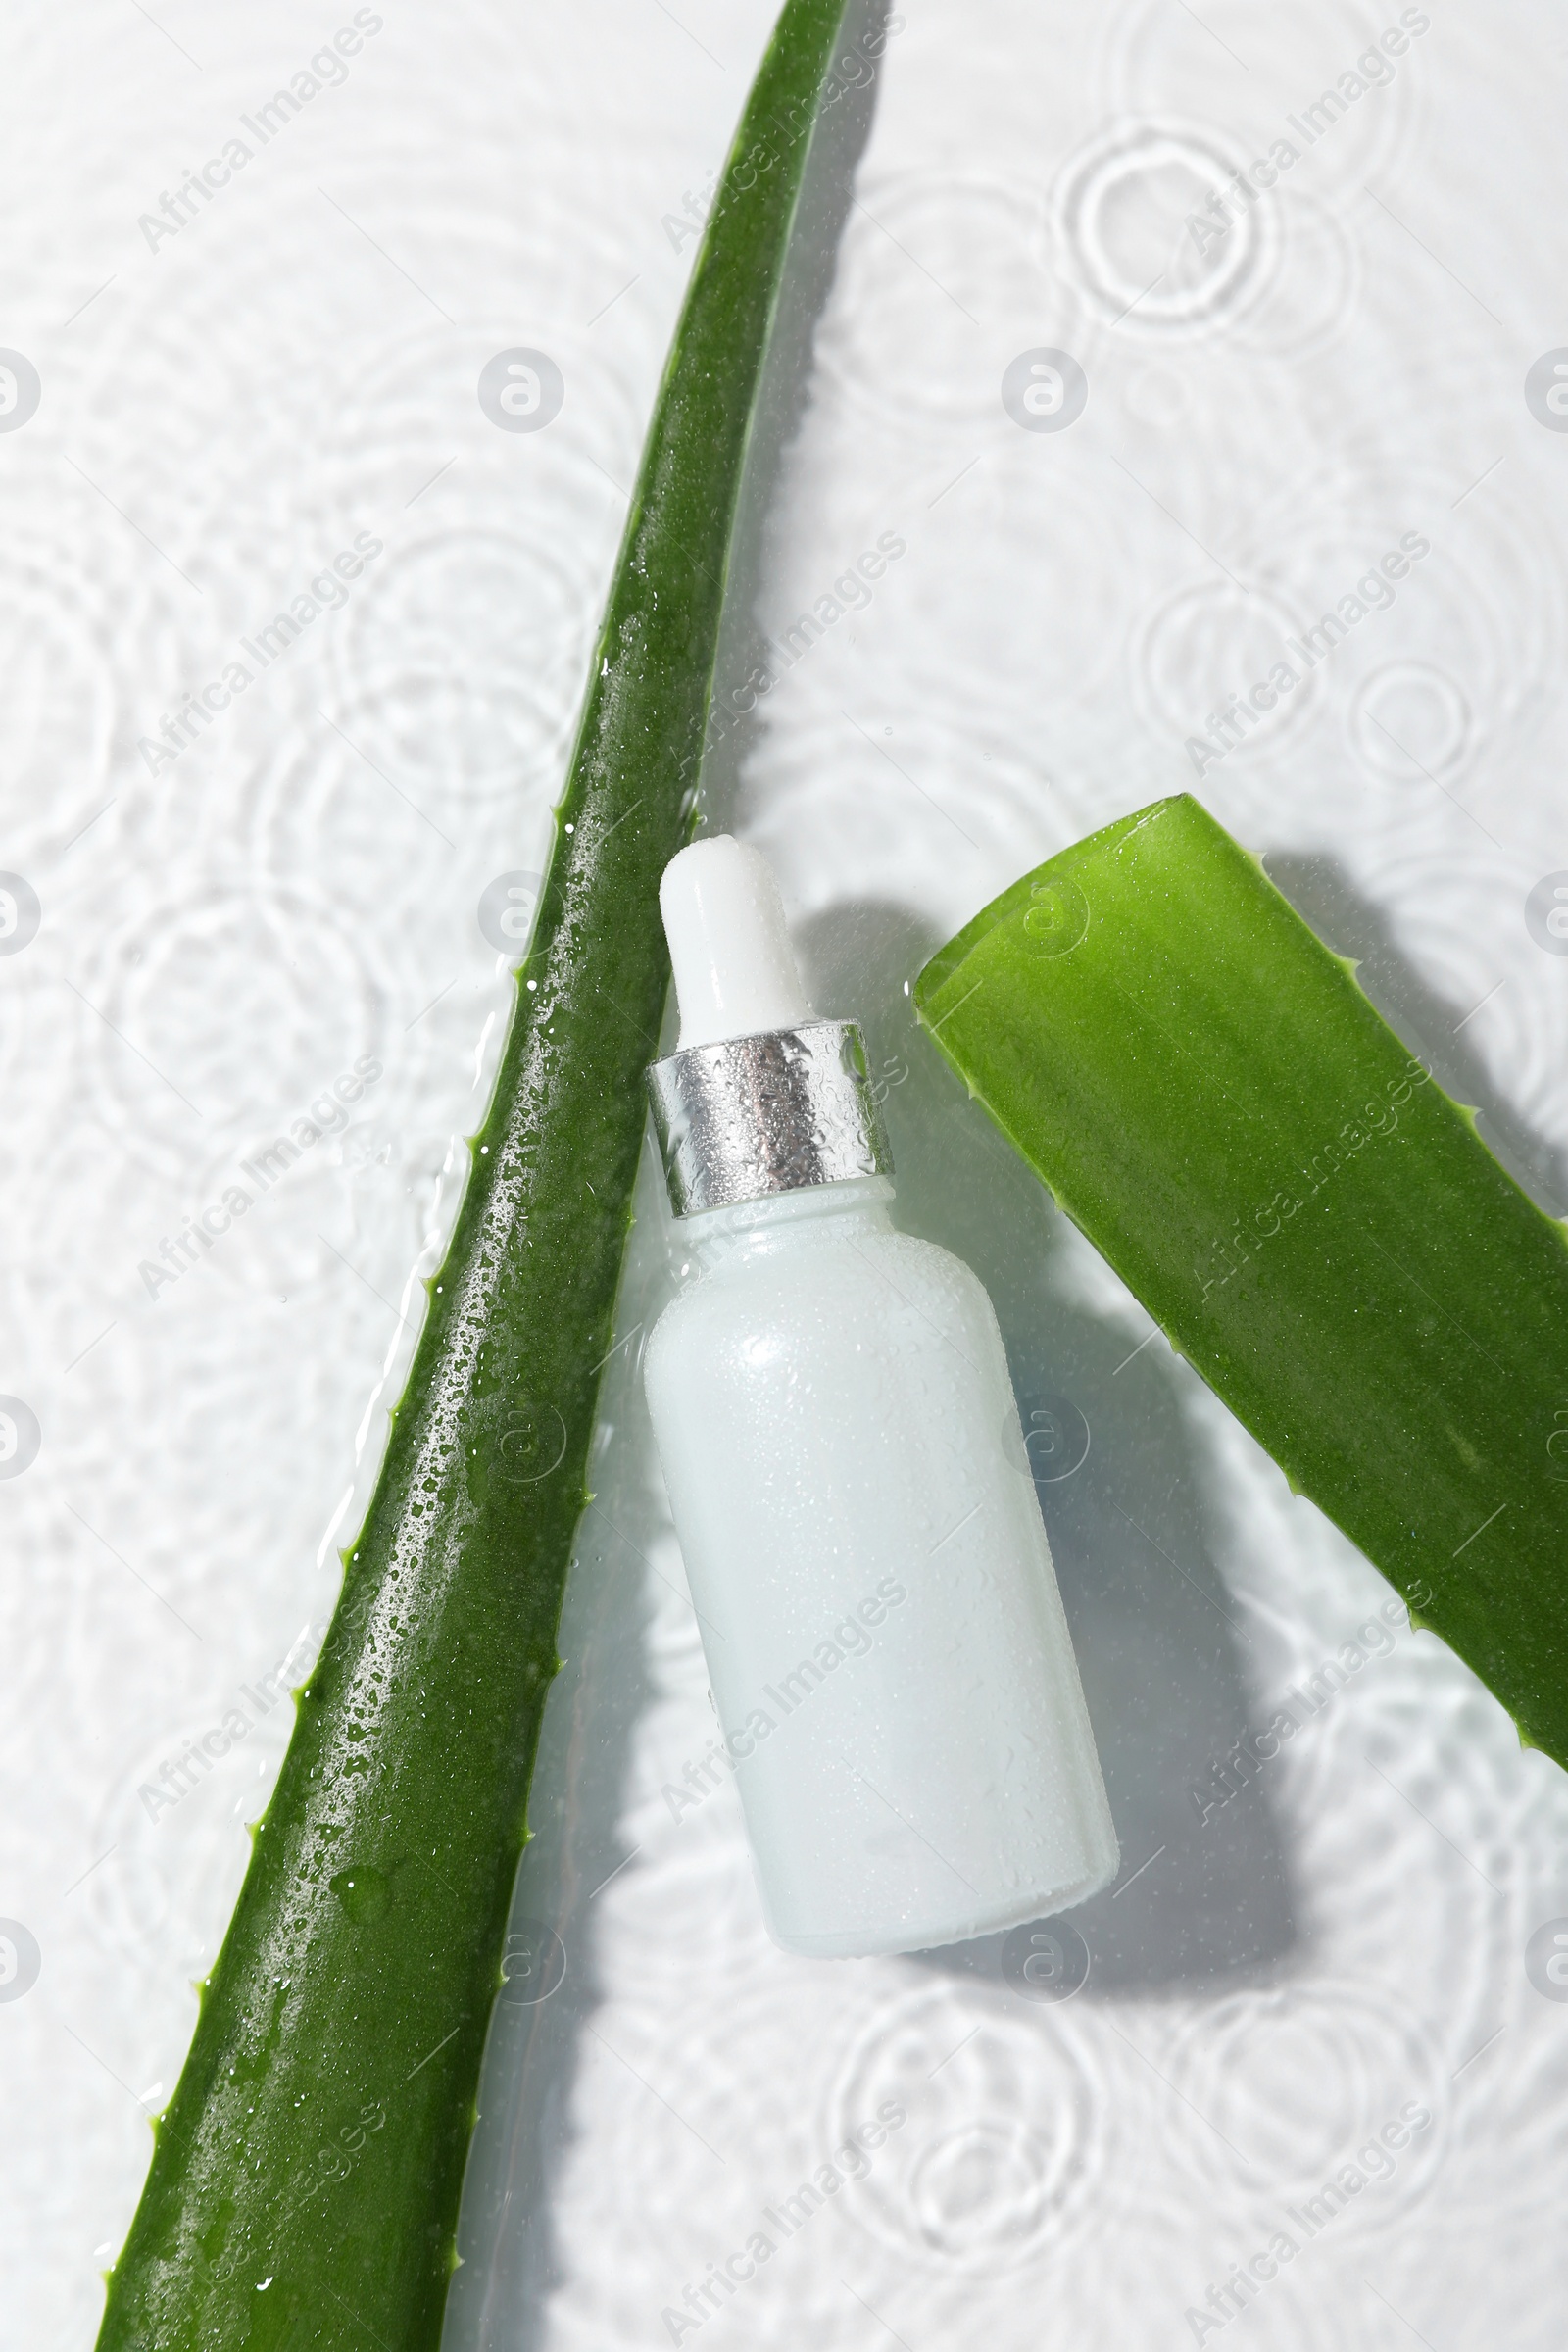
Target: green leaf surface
304,2181
1311,1221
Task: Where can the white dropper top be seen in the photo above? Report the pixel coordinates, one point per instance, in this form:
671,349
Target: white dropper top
735,973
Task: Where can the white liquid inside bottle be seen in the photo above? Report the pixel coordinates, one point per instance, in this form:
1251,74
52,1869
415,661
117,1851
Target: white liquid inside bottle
888,1653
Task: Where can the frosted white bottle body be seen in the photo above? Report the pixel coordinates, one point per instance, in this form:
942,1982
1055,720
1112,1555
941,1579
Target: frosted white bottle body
888,1653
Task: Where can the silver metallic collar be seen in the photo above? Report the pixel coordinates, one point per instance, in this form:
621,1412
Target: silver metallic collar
771,1113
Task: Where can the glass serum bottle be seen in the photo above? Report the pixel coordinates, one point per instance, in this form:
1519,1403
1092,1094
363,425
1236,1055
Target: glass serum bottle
887,1654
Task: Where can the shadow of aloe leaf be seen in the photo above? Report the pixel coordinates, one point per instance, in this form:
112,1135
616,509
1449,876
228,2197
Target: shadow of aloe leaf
1431,1023
554,1979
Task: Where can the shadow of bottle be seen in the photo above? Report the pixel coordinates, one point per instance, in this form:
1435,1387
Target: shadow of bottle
1203,1894
510,2263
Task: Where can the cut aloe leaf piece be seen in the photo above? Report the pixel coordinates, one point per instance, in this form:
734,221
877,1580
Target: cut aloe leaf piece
1309,1219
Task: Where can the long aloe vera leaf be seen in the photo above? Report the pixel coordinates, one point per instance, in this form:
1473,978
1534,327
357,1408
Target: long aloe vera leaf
1311,1220
304,2180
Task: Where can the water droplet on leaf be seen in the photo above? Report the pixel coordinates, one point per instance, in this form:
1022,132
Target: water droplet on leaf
362,1893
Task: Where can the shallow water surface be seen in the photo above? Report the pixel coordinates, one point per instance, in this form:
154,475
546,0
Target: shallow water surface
1121,452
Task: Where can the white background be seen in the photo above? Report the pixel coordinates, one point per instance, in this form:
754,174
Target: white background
220,939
